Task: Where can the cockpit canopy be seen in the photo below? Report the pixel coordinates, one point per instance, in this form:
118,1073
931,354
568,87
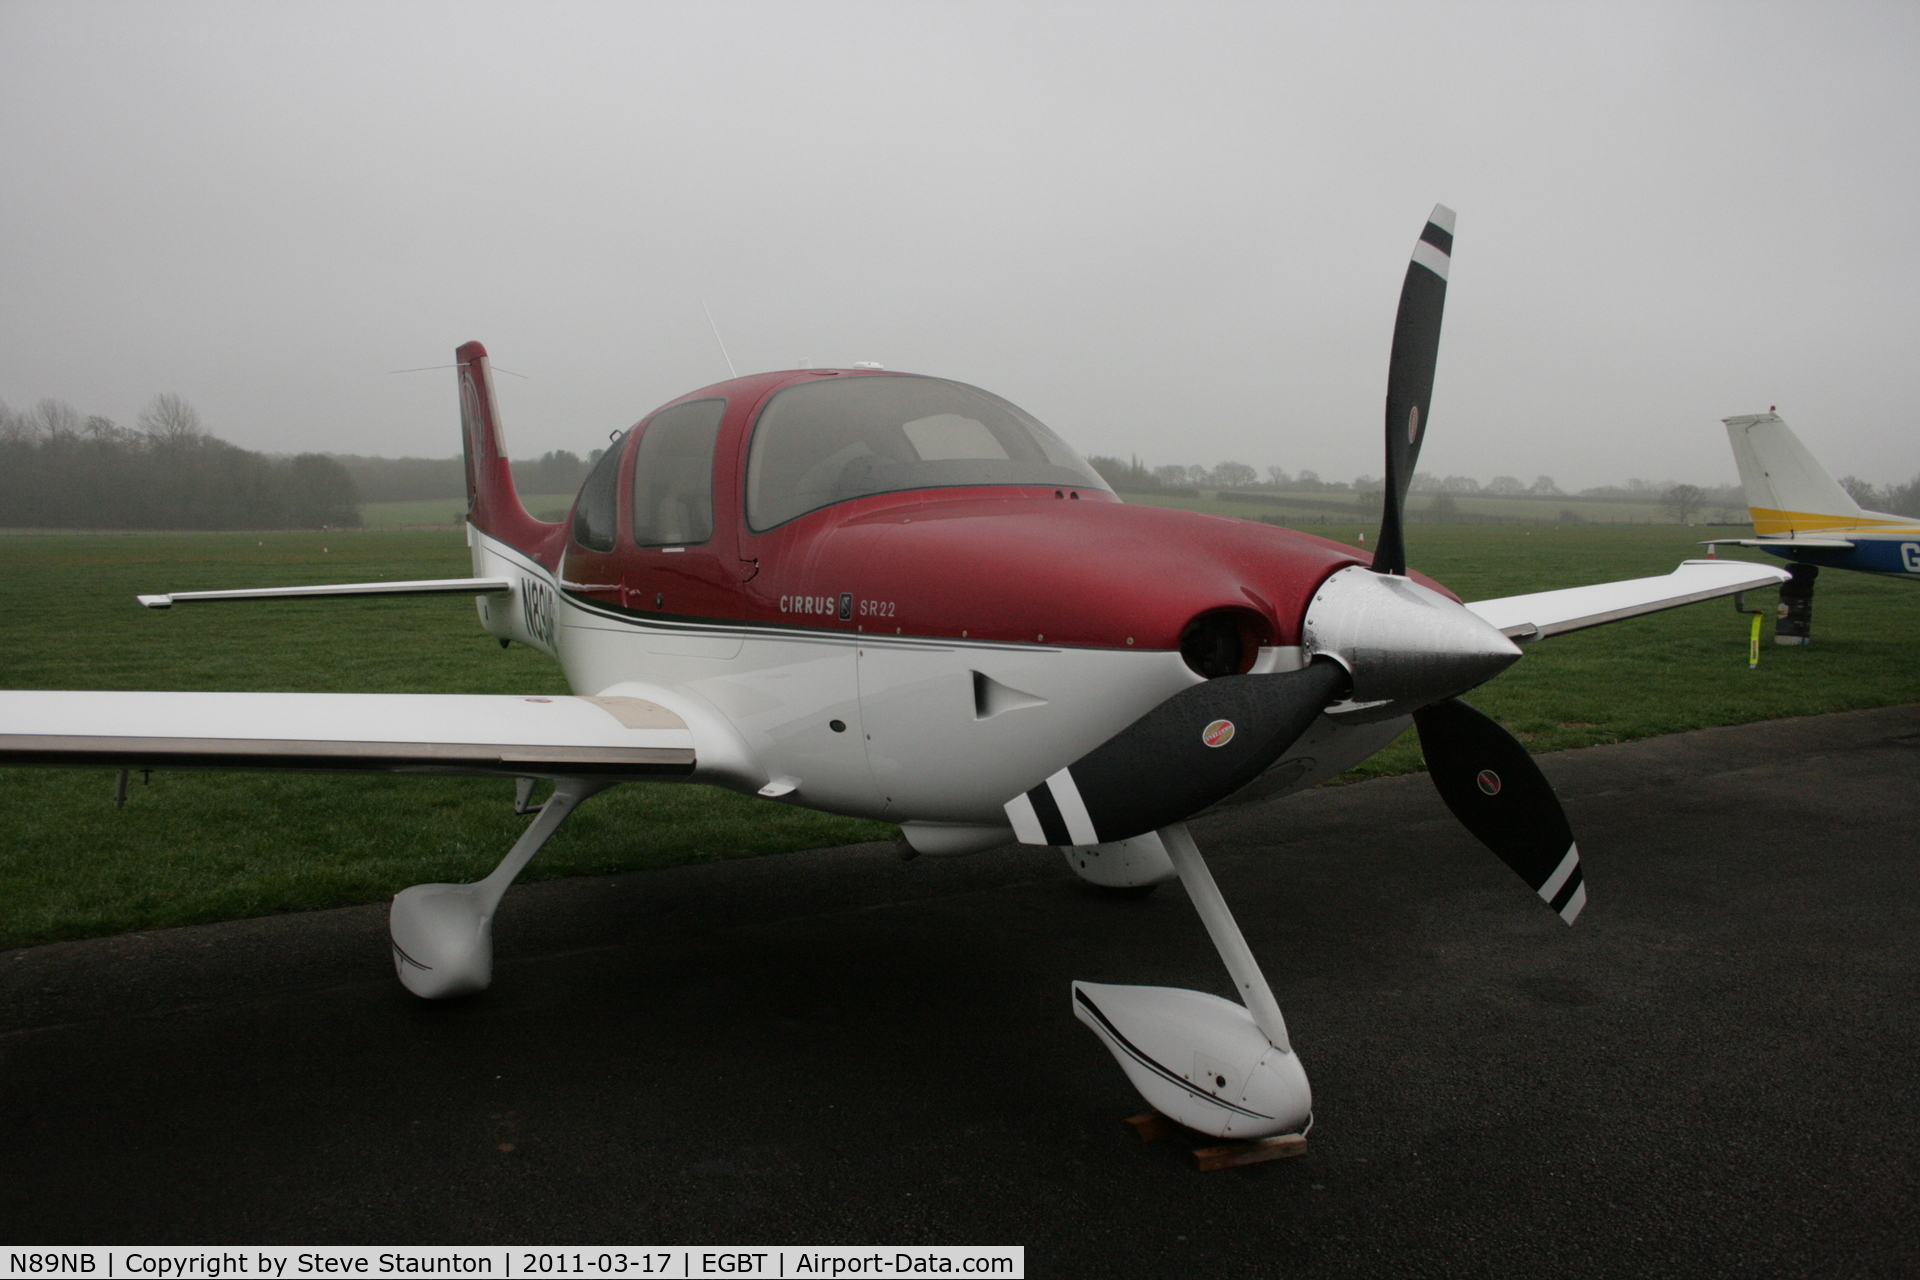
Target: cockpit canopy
836,438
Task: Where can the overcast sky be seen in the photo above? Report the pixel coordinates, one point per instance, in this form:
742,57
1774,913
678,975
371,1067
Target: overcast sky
1173,230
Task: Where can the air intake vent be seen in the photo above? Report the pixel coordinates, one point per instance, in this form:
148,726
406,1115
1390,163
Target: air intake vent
991,698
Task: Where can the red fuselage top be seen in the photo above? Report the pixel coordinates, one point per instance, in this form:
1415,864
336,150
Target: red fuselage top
1059,564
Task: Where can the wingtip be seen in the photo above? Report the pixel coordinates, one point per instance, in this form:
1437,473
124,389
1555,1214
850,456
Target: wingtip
156,602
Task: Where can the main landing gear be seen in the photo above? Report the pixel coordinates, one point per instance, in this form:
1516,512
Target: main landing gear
1219,1067
1796,606
443,933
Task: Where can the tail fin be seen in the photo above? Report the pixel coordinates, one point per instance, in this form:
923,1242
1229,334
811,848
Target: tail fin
493,506
1787,490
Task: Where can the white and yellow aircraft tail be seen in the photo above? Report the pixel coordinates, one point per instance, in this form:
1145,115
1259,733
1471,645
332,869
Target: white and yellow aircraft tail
1800,513
1789,493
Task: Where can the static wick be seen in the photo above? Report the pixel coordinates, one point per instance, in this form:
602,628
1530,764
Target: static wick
429,368
731,371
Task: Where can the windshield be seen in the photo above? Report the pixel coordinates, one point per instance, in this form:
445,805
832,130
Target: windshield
829,440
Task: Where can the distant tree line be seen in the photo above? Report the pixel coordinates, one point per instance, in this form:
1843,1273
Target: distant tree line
59,470
423,479
1240,482
1894,499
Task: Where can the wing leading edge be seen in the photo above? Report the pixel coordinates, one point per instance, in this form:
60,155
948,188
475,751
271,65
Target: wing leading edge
474,734
1552,613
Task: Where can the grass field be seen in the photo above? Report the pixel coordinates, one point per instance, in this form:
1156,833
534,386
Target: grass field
198,846
453,511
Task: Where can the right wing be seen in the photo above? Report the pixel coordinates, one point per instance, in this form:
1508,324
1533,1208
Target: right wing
477,734
1552,613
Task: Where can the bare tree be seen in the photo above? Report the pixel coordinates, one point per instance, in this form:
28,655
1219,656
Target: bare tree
1278,477
1544,486
106,430
1682,501
56,419
1903,499
171,422
1860,491
1505,485
1233,475
15,425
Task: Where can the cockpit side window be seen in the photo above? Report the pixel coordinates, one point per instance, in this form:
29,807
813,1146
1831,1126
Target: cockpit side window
596,509
673,475
826,441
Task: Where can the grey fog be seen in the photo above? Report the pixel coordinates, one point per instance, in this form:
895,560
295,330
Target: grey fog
1171,231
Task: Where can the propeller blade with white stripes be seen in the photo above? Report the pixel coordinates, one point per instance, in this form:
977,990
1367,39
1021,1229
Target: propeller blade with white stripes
1496,790
1416,353
1190,752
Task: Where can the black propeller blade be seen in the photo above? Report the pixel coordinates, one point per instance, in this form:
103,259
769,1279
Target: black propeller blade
1416,350
1193,750
1496,790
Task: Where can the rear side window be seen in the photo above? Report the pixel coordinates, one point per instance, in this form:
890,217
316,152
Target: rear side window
595,510
673,475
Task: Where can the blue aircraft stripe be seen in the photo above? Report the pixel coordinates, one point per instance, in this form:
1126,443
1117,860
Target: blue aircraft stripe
1897,557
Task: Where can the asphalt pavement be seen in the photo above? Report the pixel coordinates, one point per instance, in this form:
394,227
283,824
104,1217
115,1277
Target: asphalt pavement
1715,1072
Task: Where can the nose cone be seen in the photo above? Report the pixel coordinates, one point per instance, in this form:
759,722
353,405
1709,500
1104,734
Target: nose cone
1401,642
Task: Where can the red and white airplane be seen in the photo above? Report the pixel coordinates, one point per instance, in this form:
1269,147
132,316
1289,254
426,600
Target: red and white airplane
903,598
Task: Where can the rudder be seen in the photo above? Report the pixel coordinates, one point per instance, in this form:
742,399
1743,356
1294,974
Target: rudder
493,504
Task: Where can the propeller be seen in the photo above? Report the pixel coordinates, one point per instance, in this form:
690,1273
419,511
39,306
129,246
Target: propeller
1386,645
1486,777
1416,351
1192,751
1496,790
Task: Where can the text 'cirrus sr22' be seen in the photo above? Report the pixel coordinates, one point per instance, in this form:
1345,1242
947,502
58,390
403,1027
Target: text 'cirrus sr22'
901,597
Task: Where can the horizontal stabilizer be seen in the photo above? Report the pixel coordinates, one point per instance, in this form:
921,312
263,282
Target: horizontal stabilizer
1831,544
476,734
1552,613
428,587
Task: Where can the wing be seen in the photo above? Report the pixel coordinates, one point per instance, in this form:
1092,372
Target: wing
426,587
1552,613
479,734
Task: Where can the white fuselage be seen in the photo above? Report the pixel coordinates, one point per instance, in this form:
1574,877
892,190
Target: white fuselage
896,728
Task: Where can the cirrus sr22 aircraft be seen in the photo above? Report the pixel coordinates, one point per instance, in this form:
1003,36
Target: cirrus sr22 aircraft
903,598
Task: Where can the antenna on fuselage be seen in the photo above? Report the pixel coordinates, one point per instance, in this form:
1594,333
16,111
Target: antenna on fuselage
731,371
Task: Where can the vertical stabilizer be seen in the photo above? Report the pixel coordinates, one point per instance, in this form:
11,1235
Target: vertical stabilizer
1787,490
493,506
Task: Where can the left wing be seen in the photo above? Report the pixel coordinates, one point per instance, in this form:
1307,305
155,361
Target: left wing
424,587
477,734
1552,613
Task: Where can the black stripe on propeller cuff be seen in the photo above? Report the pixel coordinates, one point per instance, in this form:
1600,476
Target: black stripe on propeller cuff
1499,794
1190,752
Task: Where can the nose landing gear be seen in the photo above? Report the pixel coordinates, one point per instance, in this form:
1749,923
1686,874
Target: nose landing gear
1212,1065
